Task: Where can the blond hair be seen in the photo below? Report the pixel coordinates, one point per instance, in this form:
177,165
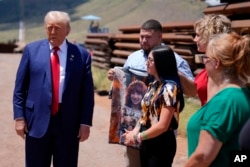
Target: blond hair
210,25
233,52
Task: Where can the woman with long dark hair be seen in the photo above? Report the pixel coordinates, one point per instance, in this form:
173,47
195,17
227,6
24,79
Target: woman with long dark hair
160,106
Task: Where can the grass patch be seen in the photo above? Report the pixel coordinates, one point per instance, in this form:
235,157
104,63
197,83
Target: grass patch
101,81
191,106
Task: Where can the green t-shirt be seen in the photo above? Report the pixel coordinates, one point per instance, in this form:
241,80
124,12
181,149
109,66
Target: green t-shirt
223,117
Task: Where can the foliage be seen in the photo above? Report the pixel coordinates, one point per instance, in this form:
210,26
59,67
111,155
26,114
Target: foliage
113,13
100,79
33,10
191,106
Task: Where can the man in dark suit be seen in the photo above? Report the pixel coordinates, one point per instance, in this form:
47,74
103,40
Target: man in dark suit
53,113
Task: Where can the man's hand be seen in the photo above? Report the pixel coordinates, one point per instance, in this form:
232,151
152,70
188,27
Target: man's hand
111,73
21,127
84,132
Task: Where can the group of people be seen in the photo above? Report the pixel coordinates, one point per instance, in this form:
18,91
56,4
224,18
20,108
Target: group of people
214,130
53,96
150,37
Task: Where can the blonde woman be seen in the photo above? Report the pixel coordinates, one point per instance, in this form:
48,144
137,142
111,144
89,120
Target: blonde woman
205,28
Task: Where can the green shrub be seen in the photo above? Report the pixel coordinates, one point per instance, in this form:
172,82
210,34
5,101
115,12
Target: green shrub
191,106
101,81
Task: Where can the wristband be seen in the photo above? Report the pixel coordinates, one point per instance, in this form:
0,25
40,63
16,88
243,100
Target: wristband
144,136
137,138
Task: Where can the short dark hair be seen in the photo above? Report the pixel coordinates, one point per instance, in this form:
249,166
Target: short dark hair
152,25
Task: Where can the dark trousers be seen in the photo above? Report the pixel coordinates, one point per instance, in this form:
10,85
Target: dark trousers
54,145
159,151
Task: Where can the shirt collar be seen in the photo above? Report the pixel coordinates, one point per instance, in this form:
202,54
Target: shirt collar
63,46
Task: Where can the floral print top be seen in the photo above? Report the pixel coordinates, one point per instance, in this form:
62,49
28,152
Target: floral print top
158,95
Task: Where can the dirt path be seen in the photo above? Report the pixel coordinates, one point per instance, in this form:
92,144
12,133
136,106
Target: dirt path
95,152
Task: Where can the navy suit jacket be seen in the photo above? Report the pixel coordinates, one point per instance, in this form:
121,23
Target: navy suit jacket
33,89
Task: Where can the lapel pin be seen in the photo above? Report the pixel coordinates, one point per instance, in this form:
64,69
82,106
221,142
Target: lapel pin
71,58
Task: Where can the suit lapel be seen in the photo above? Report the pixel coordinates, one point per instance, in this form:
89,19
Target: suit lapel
45,57
69,64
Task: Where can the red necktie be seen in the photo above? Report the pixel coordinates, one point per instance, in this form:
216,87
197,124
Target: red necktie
55,71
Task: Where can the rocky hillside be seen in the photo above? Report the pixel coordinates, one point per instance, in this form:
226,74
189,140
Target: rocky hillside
113,13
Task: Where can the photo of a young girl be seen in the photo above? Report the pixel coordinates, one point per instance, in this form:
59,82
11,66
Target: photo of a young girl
131,111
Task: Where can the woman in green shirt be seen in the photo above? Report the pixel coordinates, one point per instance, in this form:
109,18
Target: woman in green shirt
214,129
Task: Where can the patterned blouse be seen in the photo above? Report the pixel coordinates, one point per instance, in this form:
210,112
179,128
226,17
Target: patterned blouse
157,96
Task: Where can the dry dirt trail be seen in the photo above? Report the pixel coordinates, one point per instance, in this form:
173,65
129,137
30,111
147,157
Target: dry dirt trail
95,152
